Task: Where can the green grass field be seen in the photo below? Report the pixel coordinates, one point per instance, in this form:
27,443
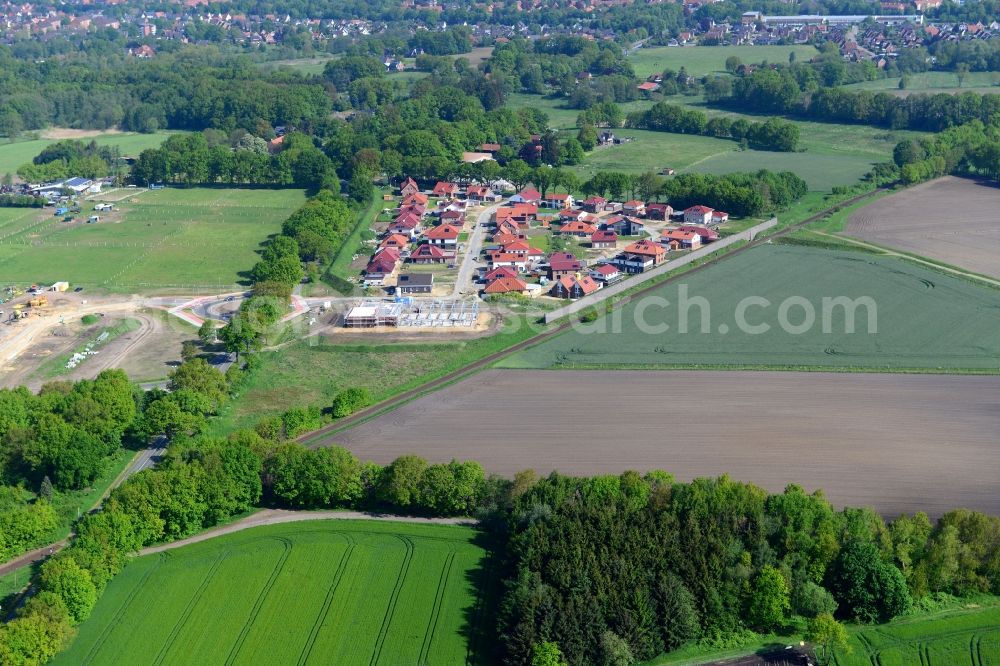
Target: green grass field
935,82
323,592
13,155
702,60
197,239
956,638
925,320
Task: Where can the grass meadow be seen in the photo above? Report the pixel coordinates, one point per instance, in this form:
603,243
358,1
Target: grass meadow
198,239
322,592
702,60
925,321
13,155
934,82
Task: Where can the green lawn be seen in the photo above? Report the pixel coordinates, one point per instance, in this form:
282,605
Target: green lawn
652,151
197,239
13,155
924,320
311,372
821,172
312,65
322,592
702,60
935,82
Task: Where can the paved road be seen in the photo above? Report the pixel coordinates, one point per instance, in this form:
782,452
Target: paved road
145,459
463,283
277,516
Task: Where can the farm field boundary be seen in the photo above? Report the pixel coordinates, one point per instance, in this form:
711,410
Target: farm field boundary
747,235
342,591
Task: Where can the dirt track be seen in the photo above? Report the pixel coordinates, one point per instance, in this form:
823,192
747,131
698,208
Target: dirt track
950,219
900,443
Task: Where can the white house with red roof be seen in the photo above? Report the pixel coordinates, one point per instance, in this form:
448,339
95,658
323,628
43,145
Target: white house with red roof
698,215
445,235
606,273
528,195
480,193
634,207
558,200
431,254
603,239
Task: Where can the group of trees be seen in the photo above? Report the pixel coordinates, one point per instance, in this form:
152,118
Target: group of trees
68,158
651,564
238,158
193,89
972,148
739,194
789,90
772,134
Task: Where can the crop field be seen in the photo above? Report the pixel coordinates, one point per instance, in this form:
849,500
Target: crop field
326,592
934,82
836,431
13,155
702,60
194,239
923,220
820,172
957,639
917,319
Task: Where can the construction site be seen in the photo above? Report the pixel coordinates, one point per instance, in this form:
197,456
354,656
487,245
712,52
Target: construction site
408,313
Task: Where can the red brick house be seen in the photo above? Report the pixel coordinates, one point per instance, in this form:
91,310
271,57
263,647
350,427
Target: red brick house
381,265
594,204
659,211
479,193
563,263
444,190
506,285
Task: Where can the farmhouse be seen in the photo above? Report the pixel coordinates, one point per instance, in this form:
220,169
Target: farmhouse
604,239
563,263
445,235
431,254
408,187
659,211
528,195
415,283
574,286
606,273
558,200
444,189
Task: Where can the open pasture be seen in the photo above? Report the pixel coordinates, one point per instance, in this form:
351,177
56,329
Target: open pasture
950,219
934,82
194,239
326,592
820,171
652,151
13,155
959,638
702,60
900,443
922,320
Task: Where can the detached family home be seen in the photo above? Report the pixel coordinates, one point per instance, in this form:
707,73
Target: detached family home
409,187
574,286
445,235
528,195
444,190
601,240
562,264
558,200
431,254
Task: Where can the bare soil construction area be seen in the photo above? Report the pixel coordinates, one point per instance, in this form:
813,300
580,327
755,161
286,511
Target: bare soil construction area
899,443
950,219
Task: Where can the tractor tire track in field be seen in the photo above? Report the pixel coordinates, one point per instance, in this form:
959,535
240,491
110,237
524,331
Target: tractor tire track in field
975,655
327,602
255,611
425,647
189,608
116,619
391,607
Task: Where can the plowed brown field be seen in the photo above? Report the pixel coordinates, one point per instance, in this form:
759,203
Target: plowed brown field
900,443
954,220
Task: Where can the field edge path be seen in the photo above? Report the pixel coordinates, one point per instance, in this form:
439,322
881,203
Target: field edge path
279,516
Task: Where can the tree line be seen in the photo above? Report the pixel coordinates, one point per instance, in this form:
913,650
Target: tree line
789,90
773,134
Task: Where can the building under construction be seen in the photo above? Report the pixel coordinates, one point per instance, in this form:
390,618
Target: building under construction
415,314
